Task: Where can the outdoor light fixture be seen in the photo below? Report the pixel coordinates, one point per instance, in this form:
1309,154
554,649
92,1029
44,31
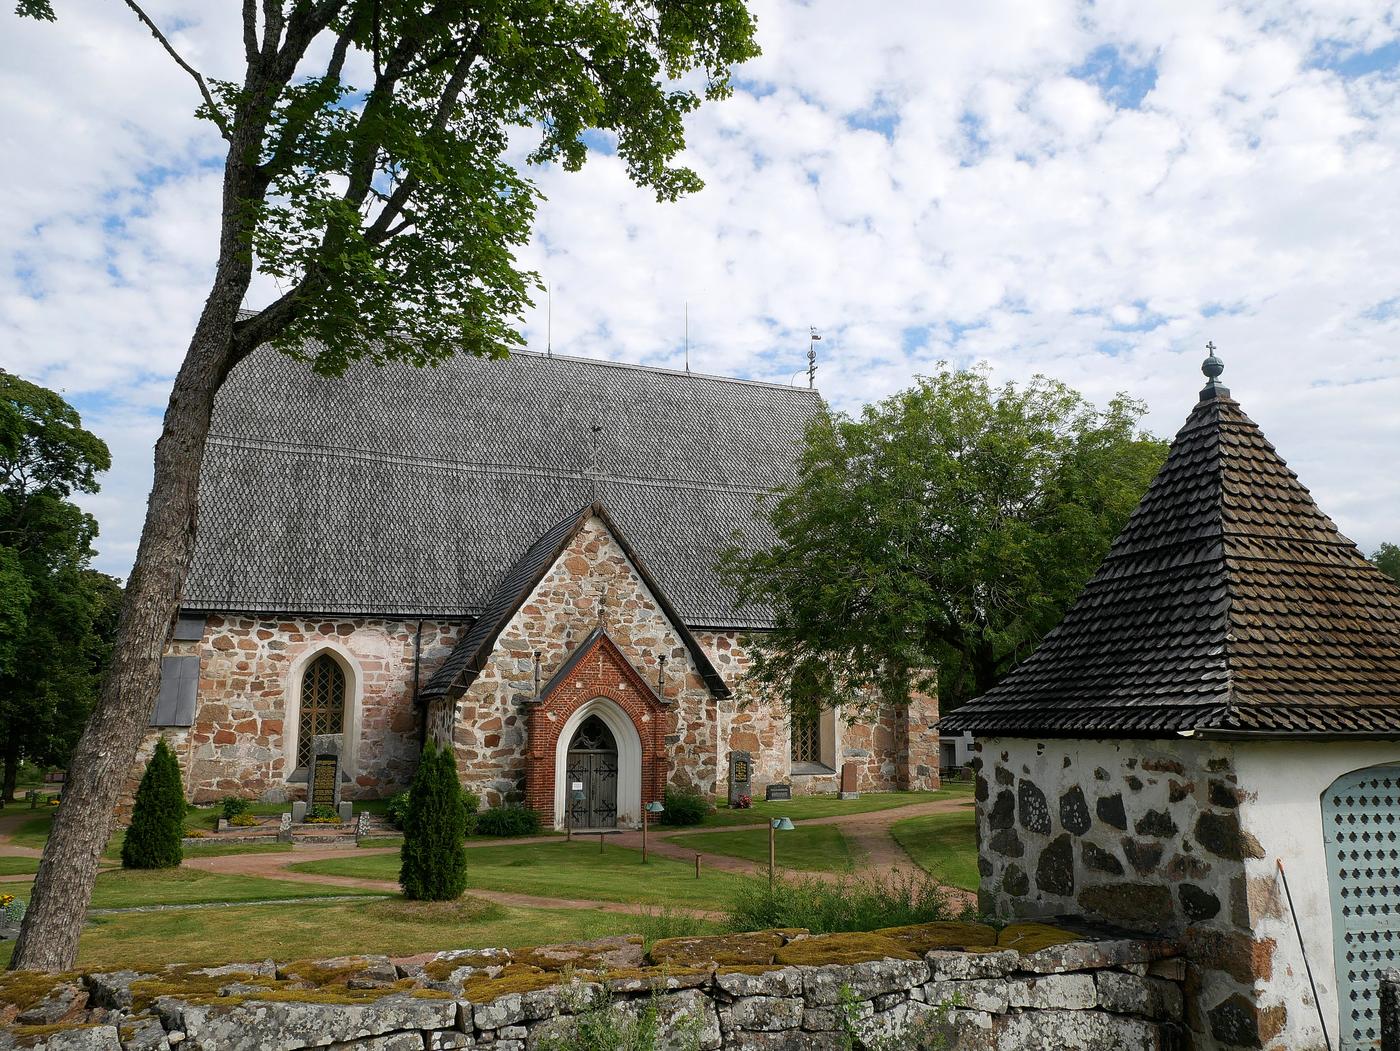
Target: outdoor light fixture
654,807
776,825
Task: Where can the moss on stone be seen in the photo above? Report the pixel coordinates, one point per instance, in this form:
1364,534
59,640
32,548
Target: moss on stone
24,989
516,978
754,947
441,969
558,957
923,937
858,947
33,1035
1031,937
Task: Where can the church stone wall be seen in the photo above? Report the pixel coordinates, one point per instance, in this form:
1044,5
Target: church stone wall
1158,837
591,581
897,749
241,743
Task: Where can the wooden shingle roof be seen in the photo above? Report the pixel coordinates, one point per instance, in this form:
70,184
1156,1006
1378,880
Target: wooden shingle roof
1229,602
402,491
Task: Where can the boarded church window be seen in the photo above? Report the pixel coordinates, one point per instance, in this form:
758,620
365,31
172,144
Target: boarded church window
806,739
322,705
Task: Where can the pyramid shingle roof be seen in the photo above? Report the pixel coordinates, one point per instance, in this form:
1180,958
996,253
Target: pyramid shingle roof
1229,602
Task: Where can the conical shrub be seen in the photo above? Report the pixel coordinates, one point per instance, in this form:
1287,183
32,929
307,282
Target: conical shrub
158,819
434,853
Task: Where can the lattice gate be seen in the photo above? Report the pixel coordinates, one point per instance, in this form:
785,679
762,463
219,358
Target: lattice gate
1361,825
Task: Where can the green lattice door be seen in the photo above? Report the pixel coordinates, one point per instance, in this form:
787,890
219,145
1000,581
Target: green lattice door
1361,825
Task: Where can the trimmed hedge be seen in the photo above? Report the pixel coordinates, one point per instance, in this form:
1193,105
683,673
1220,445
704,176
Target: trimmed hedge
684,807
507,821
158,819
434,853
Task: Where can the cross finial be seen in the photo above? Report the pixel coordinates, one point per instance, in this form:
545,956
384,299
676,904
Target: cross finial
1213,367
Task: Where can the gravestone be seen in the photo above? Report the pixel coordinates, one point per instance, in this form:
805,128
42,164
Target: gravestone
323,781
779,792
740,776
848,781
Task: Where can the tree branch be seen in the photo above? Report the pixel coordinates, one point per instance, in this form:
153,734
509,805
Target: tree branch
198,78
250,30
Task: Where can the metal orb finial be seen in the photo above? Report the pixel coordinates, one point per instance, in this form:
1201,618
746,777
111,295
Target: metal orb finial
1212,366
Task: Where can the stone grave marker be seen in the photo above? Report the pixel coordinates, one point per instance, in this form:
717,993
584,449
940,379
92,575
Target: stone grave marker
323,787
740,776
848,781
779,792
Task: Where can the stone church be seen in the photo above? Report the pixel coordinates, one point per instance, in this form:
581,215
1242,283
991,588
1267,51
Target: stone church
515,556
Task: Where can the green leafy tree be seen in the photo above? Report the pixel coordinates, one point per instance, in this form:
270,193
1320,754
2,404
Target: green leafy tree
1387,560
57,616
434,852
158,818
938,536
388,210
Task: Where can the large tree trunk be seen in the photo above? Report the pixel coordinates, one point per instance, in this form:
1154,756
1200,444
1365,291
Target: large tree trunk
7,791
102,761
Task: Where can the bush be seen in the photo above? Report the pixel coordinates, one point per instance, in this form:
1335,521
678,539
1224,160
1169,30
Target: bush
244,820
396,810
507,821
827,907
684,807
434,852
471,803
323,815
233,806
158,819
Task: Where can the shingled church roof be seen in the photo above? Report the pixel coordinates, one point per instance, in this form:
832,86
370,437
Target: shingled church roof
402,491
1229,602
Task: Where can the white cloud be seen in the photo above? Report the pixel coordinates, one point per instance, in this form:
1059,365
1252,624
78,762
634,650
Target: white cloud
1089,191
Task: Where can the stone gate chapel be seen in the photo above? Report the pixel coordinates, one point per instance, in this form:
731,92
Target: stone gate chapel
1221,703
515,556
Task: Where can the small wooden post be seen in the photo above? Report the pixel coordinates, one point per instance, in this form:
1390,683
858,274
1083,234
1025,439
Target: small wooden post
697,866
645,823
772,851
600,842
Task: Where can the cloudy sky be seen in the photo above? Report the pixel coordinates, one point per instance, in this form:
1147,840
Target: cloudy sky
1090,191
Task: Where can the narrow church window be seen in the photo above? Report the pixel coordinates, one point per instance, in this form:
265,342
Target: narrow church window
322,705
806,739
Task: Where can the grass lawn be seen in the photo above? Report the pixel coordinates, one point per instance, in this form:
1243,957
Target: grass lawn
123,888
944,845
821,847
566,870
18,866
34,831
806,807
320,930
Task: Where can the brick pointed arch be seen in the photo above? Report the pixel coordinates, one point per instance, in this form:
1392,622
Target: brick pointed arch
596,669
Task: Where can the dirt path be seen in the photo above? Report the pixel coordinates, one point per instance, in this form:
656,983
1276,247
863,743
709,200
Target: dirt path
8,824
877,854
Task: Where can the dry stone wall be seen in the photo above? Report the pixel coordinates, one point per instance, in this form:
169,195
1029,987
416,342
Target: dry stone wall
1072,994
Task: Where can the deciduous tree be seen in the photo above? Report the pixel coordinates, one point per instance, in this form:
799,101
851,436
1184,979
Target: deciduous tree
1387,560
378,188
939,535
57,616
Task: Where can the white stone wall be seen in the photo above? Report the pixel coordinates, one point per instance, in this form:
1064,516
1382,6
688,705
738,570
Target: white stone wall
1283,783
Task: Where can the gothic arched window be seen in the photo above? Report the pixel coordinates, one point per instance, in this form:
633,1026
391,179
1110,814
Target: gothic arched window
322,704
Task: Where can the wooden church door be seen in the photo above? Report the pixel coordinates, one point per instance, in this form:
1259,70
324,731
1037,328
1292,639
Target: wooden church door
1361,827
593,763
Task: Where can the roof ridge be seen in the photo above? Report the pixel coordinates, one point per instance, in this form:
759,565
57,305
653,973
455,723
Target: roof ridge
523,352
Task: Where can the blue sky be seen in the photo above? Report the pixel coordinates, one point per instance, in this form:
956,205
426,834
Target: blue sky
1089,191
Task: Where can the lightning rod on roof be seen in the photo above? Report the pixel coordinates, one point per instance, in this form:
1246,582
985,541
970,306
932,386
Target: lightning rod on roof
687,335
812,357
549,322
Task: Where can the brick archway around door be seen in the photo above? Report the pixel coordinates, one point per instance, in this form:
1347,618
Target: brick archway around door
596,671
